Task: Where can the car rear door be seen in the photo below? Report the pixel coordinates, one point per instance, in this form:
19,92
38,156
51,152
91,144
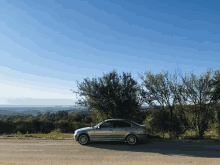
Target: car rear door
120,129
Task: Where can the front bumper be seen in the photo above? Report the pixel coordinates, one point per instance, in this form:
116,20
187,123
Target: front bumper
75,136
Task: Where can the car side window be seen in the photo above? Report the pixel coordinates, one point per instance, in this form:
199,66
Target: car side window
107,124
120,124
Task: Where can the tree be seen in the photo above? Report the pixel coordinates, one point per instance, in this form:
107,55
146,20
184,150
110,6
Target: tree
112,96
30,125
199,93
182,122
20,124
164,90
97,117
216,85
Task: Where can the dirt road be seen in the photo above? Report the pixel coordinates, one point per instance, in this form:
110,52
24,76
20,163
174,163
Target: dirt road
68,152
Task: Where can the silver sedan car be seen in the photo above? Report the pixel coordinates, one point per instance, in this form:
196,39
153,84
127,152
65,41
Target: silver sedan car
112,130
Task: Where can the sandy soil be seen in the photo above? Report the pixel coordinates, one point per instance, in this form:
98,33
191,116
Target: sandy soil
68,152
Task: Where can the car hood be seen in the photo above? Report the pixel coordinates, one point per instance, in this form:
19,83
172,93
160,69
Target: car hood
84,129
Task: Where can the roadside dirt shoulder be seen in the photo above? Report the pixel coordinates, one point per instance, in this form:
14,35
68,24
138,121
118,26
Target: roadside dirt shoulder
70,152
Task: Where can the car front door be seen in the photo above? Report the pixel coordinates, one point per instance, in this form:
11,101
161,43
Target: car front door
104,133
120,129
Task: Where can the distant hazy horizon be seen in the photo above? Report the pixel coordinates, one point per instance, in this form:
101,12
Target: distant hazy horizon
72,106
48,106
34,110
2,105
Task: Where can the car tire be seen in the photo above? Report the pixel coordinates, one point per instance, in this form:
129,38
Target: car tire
131,140
83,139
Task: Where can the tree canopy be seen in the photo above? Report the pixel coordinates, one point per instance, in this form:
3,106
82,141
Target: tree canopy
216,84
112,95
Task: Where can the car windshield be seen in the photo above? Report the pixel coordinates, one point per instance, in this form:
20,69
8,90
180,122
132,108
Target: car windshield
97,125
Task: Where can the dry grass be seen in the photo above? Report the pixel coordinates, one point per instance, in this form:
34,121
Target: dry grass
52,135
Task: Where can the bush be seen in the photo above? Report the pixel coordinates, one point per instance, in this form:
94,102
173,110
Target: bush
65,126
48,127
7,127
76,125
218,121
160,121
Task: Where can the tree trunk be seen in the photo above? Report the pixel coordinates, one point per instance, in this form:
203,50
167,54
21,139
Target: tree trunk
163,114
171,123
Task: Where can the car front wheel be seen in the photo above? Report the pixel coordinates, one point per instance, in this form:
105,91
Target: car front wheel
131,139
83,139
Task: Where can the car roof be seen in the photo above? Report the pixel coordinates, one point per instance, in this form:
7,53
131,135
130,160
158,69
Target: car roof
115,119
122,120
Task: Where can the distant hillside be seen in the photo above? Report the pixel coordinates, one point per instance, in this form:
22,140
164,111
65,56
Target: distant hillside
35,110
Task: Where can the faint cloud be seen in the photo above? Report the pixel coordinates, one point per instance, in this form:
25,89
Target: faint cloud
16,7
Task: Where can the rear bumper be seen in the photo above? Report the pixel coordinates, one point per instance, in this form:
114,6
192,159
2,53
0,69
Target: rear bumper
142,137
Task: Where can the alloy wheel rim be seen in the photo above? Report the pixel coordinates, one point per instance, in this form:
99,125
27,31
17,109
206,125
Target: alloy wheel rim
83,139
131,139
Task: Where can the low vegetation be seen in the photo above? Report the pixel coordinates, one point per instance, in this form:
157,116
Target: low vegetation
52,135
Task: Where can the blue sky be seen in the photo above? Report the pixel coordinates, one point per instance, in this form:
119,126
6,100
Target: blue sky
47,45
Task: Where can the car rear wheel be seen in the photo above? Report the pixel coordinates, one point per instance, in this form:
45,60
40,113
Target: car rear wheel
83,139
131,139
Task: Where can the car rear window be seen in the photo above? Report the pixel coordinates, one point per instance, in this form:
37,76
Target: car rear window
134,123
